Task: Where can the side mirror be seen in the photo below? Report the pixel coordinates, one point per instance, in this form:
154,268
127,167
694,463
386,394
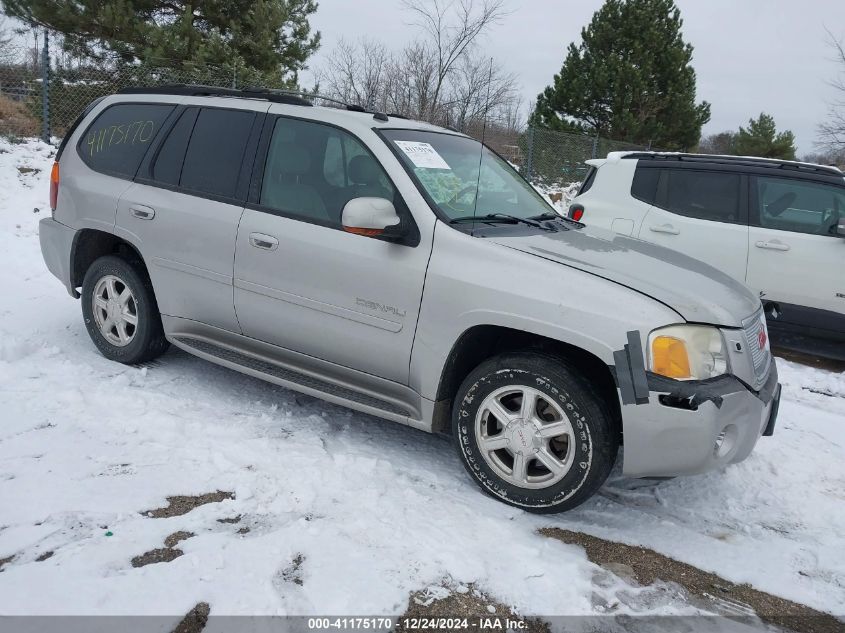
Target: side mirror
840,228
373,217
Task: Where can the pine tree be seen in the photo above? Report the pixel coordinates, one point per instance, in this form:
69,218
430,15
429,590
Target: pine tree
269,36
630,79
762,139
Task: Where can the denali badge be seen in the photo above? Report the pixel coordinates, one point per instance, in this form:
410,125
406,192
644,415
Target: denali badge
380,307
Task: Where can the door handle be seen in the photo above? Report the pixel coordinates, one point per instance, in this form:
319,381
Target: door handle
141,212
265,242
774,245
665,228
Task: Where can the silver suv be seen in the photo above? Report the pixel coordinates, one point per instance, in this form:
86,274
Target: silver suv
405,271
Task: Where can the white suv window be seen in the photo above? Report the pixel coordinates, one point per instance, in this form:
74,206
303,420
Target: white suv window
707,195
798,206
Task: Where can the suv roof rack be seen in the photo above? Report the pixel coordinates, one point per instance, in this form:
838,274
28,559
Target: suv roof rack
290,97
192,90
749,161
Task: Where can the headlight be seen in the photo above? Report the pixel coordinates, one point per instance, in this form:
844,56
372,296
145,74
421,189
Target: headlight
687,352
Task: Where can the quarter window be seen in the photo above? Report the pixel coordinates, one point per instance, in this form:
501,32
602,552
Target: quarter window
313,170
705,195
588,181
216,151
644,186
115,143
799,206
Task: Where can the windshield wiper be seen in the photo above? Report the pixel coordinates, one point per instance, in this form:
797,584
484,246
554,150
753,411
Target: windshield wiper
556,216
491,218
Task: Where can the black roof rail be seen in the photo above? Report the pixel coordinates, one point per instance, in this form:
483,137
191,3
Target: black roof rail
290,97
748,161
352,107
192,90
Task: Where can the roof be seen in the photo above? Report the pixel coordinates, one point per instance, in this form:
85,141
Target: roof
748,161
292,98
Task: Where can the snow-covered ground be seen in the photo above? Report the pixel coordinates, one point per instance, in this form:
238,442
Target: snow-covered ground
373,511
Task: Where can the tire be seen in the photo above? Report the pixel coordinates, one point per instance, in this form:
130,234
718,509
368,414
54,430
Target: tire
130,343
558,459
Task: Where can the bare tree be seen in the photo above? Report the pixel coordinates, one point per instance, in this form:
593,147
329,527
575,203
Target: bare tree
356,71
440,78
452,28
832,132
478,89
721,143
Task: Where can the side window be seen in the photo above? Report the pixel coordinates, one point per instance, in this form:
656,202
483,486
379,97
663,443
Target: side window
707,195
798,206
644,186
312,170
115,143
168,164
588,181
216,151
334,165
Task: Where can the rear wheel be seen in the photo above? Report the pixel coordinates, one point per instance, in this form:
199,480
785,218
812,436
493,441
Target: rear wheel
534,433
120,311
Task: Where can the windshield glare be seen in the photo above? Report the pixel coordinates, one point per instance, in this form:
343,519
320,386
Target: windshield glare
447,169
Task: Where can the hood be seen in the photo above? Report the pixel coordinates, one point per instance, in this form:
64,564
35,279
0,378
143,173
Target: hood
695,290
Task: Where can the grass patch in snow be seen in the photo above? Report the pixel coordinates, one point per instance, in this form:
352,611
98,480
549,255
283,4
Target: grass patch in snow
179,505
645,566
195,620
163,554
160,555
177,537
230,520
464,601
293,572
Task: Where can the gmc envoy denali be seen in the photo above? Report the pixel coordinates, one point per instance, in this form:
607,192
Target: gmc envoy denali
406,271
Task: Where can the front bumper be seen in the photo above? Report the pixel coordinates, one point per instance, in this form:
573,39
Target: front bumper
690,428
56,246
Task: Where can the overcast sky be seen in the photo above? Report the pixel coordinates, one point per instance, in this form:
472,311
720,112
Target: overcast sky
750,55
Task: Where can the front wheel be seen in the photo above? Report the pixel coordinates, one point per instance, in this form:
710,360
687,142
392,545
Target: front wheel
120,311
533,433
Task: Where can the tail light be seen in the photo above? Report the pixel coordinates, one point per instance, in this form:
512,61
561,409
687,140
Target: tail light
576,212
54,186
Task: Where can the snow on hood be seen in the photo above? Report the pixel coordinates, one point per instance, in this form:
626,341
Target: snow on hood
695,290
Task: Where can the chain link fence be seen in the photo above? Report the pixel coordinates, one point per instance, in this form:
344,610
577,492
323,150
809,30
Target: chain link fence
551,160
41,95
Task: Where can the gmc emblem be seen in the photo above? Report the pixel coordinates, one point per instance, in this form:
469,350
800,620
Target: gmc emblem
762,337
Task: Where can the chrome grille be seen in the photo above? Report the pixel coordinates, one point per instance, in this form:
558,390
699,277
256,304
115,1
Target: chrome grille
760,356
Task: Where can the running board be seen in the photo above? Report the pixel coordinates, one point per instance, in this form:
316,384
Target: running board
298,381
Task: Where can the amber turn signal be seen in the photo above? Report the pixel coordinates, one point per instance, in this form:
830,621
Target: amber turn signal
670,358
359,231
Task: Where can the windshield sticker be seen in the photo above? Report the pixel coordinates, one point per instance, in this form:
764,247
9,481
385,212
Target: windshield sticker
423,155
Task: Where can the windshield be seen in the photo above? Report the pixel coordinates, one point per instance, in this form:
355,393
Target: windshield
447,166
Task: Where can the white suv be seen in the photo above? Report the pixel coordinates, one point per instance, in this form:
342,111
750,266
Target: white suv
775,225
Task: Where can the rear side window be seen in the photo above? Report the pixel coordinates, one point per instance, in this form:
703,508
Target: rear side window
167,168
706,195
216,151
644,186
115,143
588,181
